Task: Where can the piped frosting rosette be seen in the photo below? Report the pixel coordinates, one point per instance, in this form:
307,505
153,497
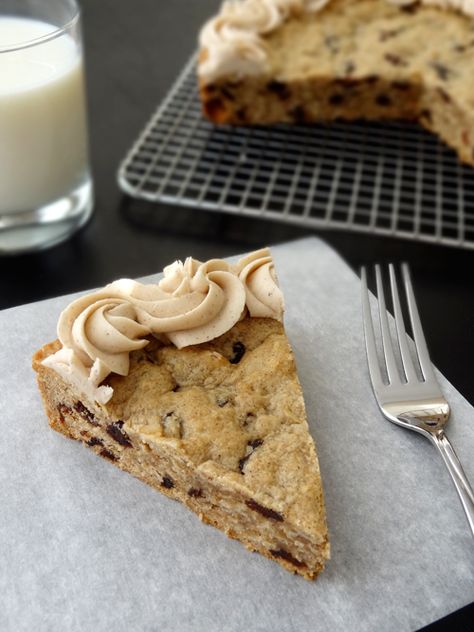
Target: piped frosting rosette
233,39
97,333
263,296
194,302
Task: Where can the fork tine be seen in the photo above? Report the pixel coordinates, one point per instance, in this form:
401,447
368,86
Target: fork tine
407,361
392,369
420,342
373,362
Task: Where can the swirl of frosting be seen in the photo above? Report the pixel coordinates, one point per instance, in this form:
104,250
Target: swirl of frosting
263,296
260,16
194,302
104,329
230,50
97,333
232,40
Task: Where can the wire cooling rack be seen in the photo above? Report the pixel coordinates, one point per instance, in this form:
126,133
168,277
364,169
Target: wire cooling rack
390,179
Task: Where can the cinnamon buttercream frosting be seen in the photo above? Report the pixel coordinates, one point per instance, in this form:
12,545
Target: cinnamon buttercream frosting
232,40
193,303
233,43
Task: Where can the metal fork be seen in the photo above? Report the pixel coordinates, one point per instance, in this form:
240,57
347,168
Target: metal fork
406,398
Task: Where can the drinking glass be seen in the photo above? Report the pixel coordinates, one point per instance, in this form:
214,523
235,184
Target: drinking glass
46,190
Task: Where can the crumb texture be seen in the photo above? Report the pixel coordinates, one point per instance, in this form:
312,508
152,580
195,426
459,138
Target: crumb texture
367,59
222,428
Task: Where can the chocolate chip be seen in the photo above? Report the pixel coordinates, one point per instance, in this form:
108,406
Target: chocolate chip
176,389
243,461
462,48
120,436
383,100
349,67
298,114
442,71
167,482
251,446
63,410
387,34
214,108
241,114
108,455
279,88
195,492
410,8
401,85
95,441
395,60
222,401
332,42
426,114
85,413
150,355
238,350
227,93
347,82
286,555
336,99
370,79
249,418
444,95
264,511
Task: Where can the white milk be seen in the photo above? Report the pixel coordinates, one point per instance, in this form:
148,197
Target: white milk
43,140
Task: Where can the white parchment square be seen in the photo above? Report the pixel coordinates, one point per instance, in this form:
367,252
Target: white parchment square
88,547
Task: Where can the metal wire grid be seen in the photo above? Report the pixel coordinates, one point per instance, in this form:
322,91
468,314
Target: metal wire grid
390,179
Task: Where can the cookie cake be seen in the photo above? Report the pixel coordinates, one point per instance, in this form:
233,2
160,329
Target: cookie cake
190,385
301,61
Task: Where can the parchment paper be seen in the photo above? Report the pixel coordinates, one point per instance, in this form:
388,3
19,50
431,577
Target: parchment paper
88,547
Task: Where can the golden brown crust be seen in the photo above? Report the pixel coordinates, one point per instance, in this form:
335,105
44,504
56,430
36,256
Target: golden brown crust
220,427
367,59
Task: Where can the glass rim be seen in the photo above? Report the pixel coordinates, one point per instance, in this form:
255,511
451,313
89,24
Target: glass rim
56,32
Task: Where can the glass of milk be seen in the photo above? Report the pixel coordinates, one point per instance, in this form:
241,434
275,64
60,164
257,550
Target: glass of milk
45,184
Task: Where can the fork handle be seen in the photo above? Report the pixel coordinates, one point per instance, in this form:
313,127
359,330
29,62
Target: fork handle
464,489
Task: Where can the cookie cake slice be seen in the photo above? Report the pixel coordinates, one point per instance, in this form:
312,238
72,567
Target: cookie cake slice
299,61
190,385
